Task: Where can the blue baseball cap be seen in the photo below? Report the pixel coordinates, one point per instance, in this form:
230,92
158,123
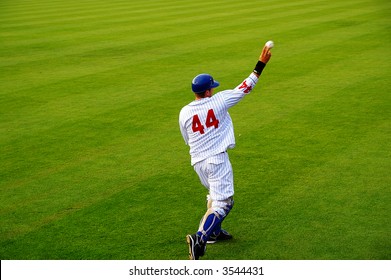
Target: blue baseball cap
203,82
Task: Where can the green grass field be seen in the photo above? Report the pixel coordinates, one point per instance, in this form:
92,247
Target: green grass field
92,163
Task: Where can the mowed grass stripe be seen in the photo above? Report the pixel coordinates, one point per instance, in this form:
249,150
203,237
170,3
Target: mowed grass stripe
51,9
110,47
125,24
82,47
133,11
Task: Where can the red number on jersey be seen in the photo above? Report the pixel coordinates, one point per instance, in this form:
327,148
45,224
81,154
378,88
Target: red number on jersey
197,125
211,120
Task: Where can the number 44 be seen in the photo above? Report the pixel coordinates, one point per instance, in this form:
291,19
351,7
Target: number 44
211,120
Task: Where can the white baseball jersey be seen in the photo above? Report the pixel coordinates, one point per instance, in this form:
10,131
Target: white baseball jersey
206,125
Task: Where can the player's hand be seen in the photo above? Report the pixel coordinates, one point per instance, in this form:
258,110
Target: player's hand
265,55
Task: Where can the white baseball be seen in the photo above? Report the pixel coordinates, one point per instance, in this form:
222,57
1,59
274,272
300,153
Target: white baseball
269,44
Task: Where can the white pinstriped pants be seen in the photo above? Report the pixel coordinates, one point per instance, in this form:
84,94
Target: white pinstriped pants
216,175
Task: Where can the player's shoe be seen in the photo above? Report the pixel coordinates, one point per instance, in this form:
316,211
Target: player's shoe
223,235
196,248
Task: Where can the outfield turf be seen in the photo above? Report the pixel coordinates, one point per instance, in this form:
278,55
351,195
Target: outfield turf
92,163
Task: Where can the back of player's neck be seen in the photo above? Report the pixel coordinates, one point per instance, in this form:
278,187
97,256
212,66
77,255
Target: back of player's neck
201,98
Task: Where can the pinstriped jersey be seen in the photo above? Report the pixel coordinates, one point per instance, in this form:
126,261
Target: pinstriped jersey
206,125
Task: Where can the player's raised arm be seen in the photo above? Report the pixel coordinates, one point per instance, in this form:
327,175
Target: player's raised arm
263,58
249,83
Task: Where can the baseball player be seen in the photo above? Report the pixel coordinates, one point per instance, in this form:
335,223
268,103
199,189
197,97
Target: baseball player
207,128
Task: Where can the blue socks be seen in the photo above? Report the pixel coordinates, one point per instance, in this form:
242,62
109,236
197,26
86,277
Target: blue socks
210,224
